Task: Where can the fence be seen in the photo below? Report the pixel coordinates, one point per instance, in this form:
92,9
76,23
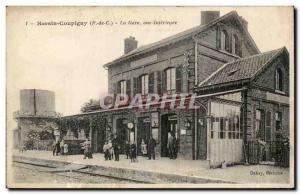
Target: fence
274,152
40,145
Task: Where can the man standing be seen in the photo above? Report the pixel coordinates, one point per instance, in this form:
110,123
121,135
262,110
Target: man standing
127,149
170,145
54,148
62,143
57,147
151,148
116,147
87,149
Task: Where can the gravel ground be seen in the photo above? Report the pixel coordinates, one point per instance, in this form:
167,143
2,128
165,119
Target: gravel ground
24,173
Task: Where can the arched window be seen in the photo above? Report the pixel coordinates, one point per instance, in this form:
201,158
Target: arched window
279,80
235,44
224,41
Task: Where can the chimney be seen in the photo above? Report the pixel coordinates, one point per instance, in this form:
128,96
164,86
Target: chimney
208,16
130,44
245,23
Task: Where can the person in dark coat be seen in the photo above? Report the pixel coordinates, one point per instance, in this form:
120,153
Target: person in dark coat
116,147
175,140
151,148
127,149
54,148
57,145
133,152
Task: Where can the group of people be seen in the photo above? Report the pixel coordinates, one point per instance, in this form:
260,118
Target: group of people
112,149
60,147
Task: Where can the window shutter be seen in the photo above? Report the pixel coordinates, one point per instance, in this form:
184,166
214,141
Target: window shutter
230,43
179,79
227,42
262,132
164,82
238,47
139,85
128,87
115,89
135,80
159,82
151,83
118,87
218,37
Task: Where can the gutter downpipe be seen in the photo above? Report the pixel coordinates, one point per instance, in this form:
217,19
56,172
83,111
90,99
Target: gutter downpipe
195,113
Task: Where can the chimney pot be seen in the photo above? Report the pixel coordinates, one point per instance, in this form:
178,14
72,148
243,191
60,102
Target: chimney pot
245,23
208,16
130,44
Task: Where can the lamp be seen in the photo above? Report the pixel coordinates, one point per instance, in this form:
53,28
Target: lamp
187,123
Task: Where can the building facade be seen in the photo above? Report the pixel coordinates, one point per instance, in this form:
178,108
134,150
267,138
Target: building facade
242,94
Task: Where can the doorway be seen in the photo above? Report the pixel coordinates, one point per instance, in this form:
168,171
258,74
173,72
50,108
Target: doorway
98,135
201,150
168,124
122,133
143,132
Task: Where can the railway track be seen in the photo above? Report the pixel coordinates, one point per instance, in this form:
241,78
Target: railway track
28,172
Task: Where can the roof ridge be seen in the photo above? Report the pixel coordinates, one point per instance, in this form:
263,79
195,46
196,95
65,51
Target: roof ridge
192,29
257,55
214,73
181,34
276,51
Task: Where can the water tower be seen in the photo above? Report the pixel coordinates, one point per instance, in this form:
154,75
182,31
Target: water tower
36,115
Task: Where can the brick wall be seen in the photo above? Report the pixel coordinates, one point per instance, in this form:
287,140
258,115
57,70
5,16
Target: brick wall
27,124
267,77
186,144
209,57
209,37
257,100
171,56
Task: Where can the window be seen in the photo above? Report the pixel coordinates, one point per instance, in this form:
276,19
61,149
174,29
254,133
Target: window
225,121
257,121
234,44
231,73
224,41
279,80
122,85
151,83
278,118
171,79
268,126
145,84
260,124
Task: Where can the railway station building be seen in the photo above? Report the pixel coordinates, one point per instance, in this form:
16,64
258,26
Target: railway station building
241,94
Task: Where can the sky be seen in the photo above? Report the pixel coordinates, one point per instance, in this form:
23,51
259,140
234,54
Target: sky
68,60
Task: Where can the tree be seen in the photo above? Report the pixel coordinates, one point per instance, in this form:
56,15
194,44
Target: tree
86,107
32,137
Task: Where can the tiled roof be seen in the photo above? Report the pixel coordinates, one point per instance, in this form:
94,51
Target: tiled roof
241,69
175,38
